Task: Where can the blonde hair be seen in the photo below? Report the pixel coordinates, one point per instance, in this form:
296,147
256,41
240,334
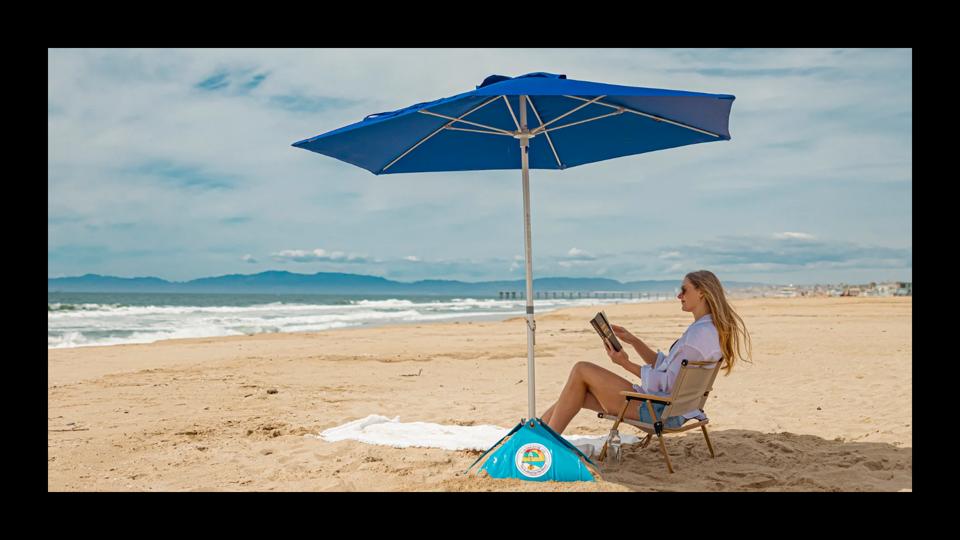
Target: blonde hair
734,338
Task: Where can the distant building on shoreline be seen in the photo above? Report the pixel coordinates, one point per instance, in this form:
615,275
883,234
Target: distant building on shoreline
872,289
788,292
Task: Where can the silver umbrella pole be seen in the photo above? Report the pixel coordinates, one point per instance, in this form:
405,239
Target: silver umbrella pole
531,323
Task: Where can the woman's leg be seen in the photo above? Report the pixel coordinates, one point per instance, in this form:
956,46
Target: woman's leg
589,402
587,378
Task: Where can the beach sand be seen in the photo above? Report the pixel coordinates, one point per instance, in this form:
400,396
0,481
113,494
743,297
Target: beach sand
826,404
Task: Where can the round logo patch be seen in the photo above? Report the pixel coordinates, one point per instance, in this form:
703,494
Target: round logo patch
533,460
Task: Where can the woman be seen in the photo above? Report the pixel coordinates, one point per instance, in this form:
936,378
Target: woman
717,333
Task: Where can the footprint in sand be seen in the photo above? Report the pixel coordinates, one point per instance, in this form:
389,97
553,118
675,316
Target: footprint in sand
852,461
283,460
768,482
734,474
780,446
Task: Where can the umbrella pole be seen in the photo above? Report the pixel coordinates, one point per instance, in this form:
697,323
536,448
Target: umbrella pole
531,323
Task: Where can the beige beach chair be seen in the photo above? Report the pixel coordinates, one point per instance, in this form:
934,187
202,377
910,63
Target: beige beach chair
690,391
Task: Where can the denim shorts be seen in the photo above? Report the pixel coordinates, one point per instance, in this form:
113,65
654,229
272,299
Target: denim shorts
673,422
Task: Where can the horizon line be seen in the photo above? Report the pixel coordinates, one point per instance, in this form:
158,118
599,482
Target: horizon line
351,274
439,279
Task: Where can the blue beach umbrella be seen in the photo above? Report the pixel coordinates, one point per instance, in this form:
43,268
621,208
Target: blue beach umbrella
534,121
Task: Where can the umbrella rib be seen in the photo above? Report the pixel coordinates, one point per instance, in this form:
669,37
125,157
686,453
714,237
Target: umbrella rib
651,116
461,120
566,114
479,131
509,108
423,140
537,114
583,121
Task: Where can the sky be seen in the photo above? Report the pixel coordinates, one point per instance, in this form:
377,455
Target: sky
178,164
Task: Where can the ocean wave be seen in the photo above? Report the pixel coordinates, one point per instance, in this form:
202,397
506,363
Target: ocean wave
69,311
82,325
81,307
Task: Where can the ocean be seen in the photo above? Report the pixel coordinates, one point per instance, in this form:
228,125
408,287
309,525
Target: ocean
87,319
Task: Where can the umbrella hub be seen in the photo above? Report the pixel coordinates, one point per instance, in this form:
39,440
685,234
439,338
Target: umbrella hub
524,136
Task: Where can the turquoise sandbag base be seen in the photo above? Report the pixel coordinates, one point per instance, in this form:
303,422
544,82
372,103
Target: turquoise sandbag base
532,451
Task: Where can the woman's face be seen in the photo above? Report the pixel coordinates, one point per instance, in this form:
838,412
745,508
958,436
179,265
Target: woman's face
690,297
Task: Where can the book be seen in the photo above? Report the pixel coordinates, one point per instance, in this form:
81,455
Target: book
602,326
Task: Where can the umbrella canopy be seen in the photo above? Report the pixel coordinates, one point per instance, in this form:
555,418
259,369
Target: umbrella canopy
534,121
570,122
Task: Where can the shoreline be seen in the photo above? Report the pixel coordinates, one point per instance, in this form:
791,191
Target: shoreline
197,414
377,324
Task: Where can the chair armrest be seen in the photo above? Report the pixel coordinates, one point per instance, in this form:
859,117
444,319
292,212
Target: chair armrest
702,362
651,397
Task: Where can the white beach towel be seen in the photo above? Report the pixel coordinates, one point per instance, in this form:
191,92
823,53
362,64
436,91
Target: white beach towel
376,429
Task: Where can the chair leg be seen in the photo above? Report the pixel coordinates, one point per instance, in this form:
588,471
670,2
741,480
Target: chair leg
646,441
663,448
707,437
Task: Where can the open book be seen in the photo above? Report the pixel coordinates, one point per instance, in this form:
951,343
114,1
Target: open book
602,326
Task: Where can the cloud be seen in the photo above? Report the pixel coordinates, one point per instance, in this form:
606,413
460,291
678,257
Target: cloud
411,258
214,82
181,175
318,255
580,255
794,235
235,82
308,104
576,257
800,251
248,259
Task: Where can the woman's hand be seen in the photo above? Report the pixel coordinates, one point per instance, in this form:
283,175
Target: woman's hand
620,358
623,335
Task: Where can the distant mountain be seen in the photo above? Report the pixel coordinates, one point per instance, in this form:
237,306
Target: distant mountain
278,282
97,283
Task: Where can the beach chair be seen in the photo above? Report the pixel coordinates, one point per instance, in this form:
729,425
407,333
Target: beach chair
690,391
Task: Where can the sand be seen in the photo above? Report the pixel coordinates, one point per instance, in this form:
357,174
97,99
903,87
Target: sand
826,404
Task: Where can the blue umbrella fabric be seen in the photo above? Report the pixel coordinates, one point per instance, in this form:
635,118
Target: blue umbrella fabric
571,123
534,121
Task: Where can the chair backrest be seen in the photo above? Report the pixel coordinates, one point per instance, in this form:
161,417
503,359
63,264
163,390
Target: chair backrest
693,385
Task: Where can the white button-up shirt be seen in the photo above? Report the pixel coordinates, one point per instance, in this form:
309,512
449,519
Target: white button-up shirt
700,342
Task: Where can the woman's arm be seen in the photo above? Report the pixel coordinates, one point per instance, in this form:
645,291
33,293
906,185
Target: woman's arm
622,359
631,367
645,352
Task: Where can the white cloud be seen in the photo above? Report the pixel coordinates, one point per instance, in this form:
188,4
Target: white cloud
580,255
573,263
794,236
248,259
676,267
670,255
318,255
411,258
